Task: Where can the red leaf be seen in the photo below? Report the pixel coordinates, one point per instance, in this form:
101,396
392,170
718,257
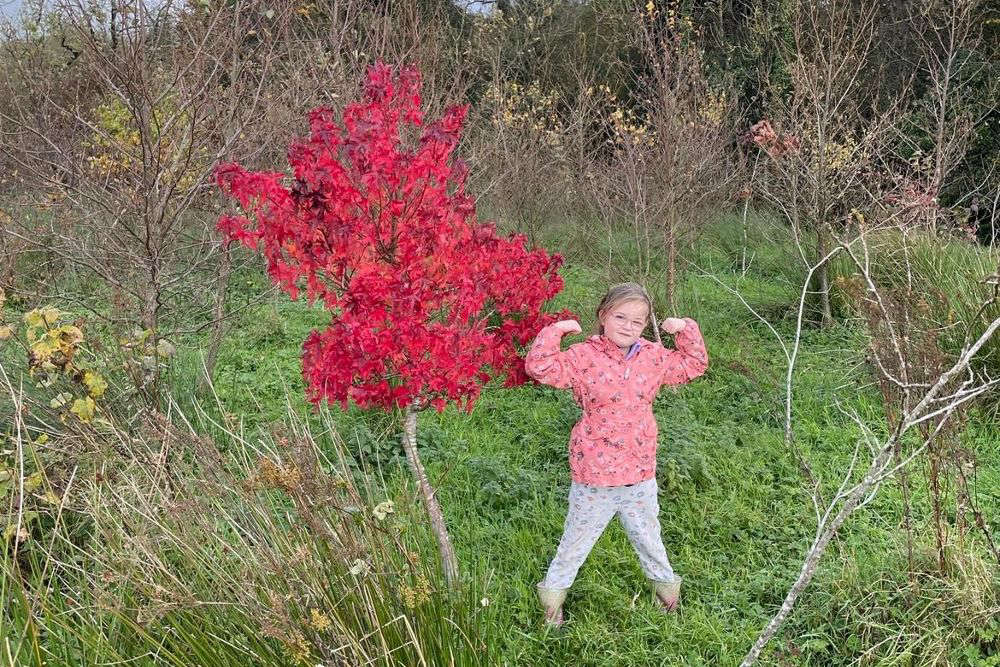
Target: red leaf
425,301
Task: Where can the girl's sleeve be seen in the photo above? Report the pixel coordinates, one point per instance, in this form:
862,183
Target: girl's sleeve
546,363
689,359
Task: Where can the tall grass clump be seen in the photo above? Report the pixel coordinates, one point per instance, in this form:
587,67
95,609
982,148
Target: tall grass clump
953,279
160,545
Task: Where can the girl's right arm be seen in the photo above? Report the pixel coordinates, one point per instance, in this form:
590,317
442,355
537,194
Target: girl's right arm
546,362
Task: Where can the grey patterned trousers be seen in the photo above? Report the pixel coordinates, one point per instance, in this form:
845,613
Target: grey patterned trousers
591,508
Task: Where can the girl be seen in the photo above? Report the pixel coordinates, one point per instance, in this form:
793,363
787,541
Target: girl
614,376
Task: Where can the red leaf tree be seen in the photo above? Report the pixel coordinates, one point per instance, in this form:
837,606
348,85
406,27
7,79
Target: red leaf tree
427,303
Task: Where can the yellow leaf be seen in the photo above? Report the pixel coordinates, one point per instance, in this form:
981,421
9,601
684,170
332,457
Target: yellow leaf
6,332
34,318
60,400
96,385
42,439
68,334
51,315
84,408
50,497
43,348
12,531
32,482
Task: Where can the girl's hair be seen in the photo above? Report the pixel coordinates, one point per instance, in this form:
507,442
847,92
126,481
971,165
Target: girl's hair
619,294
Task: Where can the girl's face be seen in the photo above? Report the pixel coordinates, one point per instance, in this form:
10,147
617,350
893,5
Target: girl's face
623,324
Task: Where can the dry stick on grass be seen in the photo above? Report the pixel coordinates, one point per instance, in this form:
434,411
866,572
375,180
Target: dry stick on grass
929,406
880,468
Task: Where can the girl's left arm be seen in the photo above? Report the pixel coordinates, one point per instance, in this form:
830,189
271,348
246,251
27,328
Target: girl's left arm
689,359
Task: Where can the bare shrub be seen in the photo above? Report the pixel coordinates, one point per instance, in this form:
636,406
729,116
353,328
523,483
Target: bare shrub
829,128
663,168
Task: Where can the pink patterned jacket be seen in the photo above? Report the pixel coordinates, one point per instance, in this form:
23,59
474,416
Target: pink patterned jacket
614,443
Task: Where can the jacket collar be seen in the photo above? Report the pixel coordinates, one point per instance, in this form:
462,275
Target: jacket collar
604,345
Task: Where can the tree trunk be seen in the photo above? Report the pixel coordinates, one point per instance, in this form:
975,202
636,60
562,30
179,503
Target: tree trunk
656,326
150,373
743,251
824,535
113,25
823,278
448,561
828,527
671,269
937,495
218,313
8,259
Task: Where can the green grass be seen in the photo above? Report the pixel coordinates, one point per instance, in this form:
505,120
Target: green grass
736,512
